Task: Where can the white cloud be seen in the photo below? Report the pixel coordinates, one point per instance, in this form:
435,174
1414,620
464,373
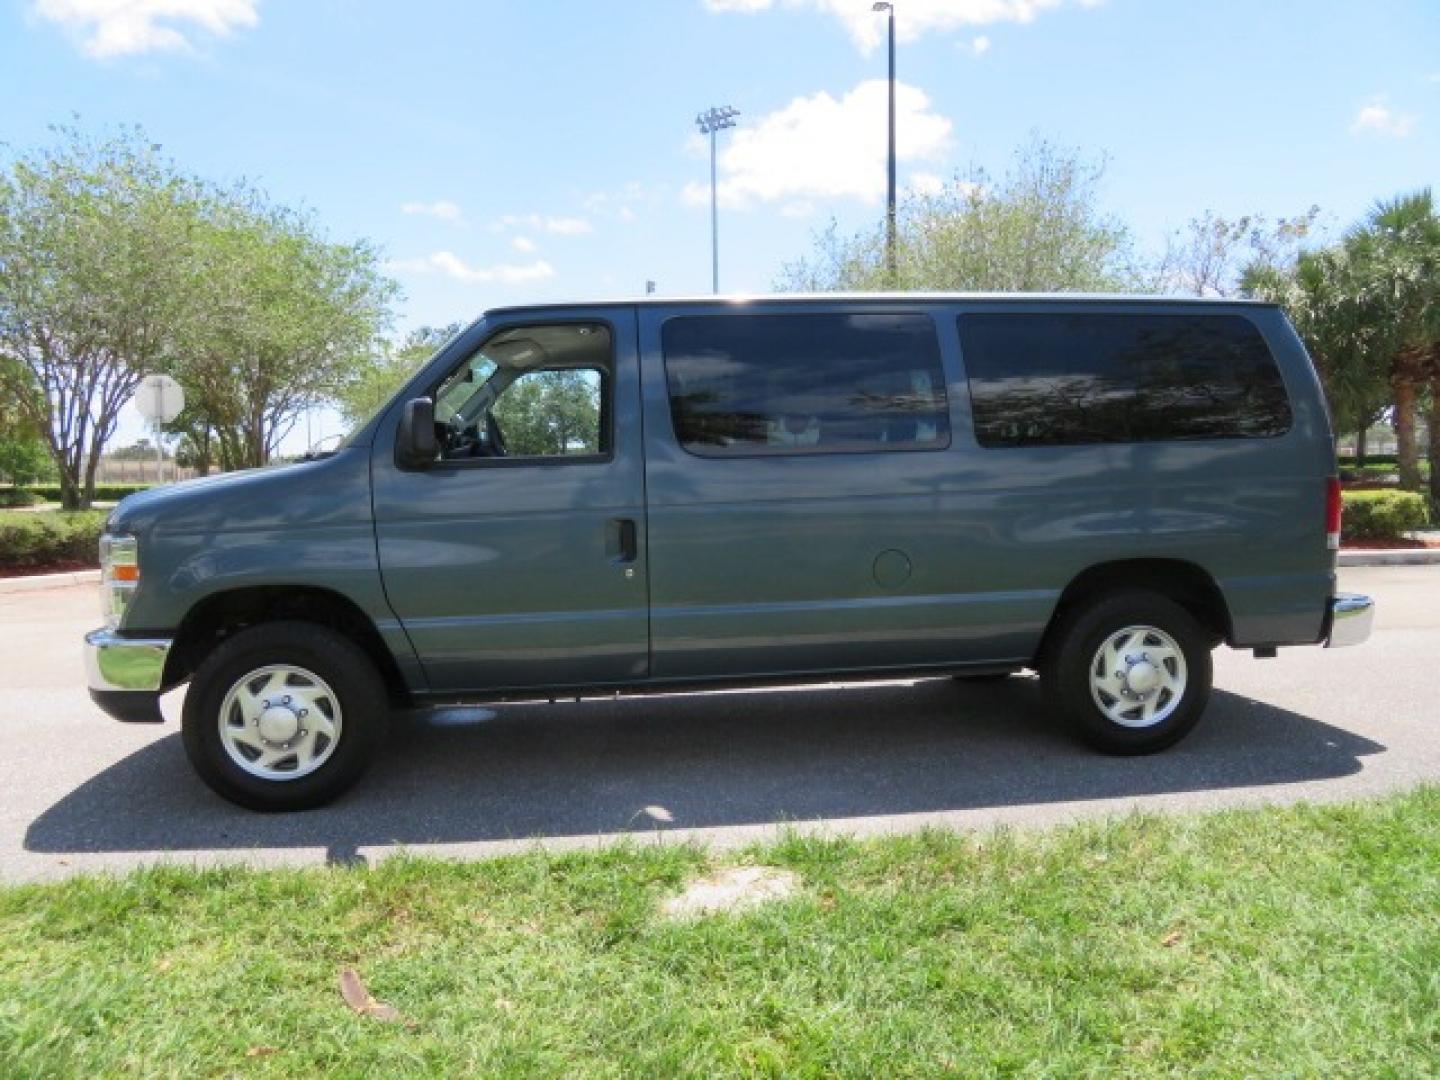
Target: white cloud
555,226
123,27
979,46
523,244
913,18
451,265
818,147
442,209
1377,118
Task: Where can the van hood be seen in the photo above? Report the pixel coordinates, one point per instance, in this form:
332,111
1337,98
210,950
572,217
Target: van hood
329,490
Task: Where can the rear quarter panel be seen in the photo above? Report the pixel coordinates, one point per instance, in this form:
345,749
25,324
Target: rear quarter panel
1250,512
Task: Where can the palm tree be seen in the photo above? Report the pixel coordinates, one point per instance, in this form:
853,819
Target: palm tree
1396,258
1328,308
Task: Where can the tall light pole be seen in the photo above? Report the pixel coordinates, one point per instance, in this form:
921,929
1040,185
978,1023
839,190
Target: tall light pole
710,122
890,266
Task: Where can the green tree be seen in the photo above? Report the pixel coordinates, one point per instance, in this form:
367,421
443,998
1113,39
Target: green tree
375,378
24,458
1037,228
1211,255
278,321
1343,330
551,413
1369,311
1396,253
94,239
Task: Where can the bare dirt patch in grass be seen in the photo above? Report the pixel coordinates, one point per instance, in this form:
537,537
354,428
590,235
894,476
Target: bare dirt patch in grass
732,889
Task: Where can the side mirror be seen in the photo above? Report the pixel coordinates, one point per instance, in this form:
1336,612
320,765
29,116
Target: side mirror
415,444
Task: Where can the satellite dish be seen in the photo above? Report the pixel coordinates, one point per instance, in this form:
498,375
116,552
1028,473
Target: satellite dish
159,399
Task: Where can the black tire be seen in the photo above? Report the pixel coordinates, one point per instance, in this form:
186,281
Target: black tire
1073,648
361,693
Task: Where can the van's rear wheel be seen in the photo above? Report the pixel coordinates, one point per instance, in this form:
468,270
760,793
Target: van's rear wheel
284,716
1129,672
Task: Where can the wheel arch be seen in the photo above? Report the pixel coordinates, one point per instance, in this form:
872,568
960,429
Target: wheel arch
1186,583
220,615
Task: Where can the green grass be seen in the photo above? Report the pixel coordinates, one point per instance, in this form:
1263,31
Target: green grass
1284,942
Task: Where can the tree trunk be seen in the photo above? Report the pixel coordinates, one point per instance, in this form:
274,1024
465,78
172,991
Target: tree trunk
1435,442
69,490
1360,448
1407,453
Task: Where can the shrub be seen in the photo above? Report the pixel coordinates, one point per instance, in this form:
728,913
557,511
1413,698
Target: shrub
1383,515
49,538
13,496
103,492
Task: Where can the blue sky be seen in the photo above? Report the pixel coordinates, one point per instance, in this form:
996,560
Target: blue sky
505,152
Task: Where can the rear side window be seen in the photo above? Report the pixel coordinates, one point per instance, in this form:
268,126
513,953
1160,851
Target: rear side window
1046,380
753,384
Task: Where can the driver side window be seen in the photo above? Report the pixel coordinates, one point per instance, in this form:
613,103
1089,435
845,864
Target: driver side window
531,392
553,413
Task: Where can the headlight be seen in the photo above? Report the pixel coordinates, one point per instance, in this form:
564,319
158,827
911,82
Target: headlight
119,576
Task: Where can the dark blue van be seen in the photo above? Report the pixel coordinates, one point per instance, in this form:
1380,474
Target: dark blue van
648,495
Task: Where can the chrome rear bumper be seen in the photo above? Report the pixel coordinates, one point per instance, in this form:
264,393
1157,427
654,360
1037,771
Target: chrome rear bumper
1351,617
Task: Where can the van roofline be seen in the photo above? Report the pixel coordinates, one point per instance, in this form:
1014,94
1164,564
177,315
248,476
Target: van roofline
745,299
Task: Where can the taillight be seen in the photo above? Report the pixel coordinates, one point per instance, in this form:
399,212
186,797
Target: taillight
1332,513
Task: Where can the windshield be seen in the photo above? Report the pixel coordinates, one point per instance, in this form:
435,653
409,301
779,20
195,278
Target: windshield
462,385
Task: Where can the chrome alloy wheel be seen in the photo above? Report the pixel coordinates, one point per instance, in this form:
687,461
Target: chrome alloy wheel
280,722
1137,677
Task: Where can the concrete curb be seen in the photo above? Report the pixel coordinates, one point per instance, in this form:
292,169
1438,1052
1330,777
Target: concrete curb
1389,557
48,581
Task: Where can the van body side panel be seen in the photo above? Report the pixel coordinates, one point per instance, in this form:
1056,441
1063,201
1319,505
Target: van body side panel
505,573
766,565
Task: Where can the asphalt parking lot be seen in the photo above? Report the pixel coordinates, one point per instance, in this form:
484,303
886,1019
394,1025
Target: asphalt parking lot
80,792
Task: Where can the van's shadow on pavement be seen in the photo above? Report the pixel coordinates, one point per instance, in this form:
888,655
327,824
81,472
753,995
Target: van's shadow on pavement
520,771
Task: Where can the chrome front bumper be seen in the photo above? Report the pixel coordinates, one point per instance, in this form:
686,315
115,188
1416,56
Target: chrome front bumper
117,663
1351,617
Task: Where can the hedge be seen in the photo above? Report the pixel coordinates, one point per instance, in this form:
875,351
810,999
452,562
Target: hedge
50,537
103,492
1383,515
13,496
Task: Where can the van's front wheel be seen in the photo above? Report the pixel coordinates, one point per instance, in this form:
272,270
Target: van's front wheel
284,716
1130,672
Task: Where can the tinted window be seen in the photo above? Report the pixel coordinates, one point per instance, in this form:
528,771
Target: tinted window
805,384
1038,380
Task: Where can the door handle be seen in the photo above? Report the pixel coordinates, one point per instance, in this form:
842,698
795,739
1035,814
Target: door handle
627,540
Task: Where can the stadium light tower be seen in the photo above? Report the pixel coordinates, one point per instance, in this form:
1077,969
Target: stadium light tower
890,192
710,122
